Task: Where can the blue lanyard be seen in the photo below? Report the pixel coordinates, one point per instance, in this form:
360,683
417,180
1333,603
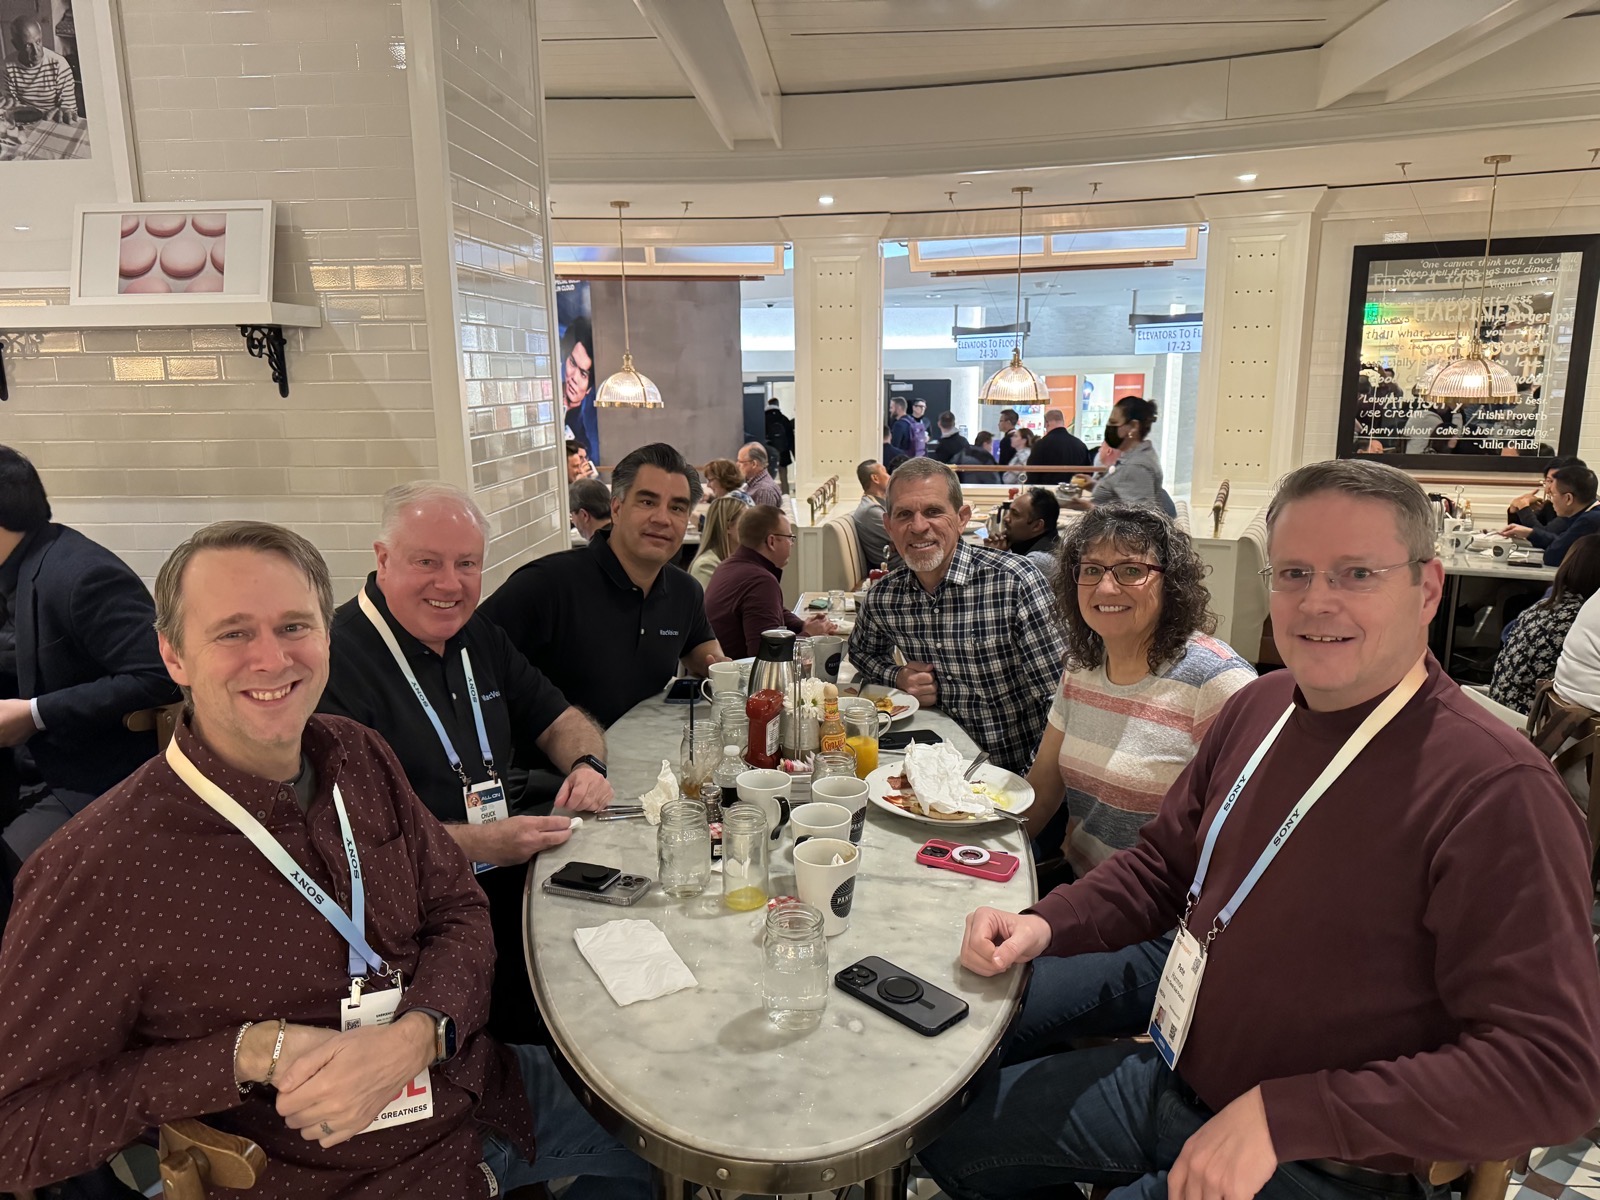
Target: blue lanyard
389,640
1365,732
349,926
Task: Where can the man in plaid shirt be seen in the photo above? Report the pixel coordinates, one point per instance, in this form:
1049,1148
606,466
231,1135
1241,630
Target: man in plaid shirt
978,628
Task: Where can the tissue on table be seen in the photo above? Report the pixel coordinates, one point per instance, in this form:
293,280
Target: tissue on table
666,788
634,960
935,776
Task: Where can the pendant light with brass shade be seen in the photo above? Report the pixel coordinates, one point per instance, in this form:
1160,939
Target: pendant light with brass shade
1014,383
627,388
1472,376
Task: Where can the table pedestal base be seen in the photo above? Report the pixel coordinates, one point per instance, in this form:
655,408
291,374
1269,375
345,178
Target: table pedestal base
890,1184
671,1187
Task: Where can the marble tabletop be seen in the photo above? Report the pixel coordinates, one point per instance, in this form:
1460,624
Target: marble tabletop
1475,565
703,1069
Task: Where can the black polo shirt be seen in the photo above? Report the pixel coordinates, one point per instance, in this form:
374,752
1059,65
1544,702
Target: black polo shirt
365,684
594,632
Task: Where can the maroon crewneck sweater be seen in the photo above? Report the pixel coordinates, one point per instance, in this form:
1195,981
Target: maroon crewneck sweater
1414,978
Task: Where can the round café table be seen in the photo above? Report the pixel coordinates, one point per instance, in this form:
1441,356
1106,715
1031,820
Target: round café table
700,1083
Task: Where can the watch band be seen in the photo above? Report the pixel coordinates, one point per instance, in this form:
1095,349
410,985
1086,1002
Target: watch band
589,760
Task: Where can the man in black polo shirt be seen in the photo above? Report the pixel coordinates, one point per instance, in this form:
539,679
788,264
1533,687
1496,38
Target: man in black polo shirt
424,596
610,624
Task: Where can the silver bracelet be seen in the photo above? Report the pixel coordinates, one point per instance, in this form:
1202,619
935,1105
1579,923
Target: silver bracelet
244,1088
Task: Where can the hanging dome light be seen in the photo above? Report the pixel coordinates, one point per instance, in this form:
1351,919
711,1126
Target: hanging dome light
627,388
1472,375
1014,383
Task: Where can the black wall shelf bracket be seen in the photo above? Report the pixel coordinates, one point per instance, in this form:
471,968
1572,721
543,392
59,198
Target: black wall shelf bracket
266,341
21,345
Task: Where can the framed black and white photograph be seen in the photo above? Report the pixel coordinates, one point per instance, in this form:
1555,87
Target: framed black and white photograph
64,134
165,253
1427,321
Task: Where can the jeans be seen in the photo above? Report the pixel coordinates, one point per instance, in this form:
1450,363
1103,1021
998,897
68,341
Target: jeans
1087,995
1113,1115
570,1142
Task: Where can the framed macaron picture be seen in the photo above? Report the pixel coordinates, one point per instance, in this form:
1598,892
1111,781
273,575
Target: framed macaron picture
174,253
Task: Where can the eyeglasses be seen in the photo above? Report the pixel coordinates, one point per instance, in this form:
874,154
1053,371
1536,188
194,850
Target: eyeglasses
1345,579
793,537
1128,574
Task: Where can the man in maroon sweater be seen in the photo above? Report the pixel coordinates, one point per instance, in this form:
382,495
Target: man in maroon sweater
745,596
1411,979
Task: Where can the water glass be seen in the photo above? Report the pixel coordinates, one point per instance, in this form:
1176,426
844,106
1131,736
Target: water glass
744,857
683,848
794,978
840,764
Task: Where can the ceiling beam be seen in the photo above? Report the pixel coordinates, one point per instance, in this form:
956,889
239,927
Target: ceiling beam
1403,46
720,47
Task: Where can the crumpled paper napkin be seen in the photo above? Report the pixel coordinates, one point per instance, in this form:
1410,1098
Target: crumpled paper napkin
634,960
666,788
935,775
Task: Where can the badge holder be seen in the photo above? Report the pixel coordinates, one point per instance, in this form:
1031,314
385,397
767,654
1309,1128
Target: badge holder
486,803
364,1009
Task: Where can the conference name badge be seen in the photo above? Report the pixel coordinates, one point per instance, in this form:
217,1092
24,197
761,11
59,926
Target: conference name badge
1175,996
415,1102
486,804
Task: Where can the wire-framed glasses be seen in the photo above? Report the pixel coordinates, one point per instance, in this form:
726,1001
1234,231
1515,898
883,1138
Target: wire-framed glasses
1346,579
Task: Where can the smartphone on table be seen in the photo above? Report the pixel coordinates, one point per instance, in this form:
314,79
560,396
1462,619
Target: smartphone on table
969,860
899,994
901,738
602,884
685,690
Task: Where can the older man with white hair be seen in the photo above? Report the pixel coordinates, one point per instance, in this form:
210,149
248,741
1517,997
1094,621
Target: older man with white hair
460,705
759,484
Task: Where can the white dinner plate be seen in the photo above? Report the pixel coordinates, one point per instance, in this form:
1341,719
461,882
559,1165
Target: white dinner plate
873,690
1009,791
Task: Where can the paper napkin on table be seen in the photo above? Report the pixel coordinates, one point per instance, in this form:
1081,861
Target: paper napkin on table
666,788
935,775
634,960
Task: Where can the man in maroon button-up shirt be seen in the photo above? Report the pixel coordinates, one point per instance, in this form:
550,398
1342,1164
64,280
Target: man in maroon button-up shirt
159,967
745,596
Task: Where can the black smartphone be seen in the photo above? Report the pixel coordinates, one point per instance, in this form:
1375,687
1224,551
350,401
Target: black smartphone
902,738
684,691
901,995
591,881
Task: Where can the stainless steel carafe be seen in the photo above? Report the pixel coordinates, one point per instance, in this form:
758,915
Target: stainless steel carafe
774,665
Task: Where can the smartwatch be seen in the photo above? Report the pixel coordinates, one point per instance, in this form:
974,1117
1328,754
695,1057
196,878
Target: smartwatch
589,760
444,1040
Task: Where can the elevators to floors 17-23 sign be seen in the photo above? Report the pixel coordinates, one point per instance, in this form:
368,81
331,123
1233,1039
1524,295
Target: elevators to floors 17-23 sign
1415,308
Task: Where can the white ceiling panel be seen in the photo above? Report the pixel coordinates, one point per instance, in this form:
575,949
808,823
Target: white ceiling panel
593,49
853,45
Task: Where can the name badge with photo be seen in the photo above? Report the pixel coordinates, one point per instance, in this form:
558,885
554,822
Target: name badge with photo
415,1101
1175,997
486,804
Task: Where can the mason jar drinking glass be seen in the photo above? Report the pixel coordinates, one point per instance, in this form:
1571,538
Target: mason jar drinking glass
699,754
861,733
744,857
841,763
683,848
794,976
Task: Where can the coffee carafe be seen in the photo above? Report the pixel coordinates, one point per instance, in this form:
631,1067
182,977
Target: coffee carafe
774,666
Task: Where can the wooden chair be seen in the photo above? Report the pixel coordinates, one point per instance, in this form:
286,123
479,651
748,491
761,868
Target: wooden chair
1568,735
196,1158
163,720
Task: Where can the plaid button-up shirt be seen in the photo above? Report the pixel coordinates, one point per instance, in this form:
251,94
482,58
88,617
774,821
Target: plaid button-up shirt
991,632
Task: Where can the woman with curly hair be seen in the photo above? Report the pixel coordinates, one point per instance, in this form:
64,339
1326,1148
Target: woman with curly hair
1142,683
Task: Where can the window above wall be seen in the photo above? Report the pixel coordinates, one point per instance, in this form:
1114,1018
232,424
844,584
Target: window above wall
677,261
1042,251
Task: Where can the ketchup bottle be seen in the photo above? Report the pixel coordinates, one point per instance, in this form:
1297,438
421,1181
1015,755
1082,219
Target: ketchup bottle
763,708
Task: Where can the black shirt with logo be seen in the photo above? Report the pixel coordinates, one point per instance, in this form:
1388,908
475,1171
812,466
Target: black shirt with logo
594,632
365,684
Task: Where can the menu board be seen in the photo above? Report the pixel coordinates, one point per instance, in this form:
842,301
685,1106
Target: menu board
1416,308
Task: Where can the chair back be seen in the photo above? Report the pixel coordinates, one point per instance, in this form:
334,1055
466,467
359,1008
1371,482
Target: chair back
1480,696
1477,1181
163,720
196,1158
1568,735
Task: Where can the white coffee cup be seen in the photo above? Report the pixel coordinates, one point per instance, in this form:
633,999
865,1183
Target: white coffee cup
720,677
828,655
827,886
770,791
850,793
820,819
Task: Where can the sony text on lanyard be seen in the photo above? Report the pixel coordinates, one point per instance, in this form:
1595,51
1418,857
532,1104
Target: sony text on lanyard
1186,963
485,802
415,1101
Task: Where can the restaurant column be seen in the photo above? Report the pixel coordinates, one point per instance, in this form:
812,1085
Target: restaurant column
1261,252
838,347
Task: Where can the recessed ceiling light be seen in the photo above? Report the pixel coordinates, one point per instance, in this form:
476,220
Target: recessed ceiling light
1249,178
966,183
824,200
22,228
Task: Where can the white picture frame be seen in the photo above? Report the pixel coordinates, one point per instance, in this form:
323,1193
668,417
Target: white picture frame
38,197
208,252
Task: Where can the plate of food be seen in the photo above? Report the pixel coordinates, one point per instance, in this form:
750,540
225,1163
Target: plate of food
928,787
899,705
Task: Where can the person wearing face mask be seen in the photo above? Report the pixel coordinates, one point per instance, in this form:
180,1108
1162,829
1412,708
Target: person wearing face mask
1136,479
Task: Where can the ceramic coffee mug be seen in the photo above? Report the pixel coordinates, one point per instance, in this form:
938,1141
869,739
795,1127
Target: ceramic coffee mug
826,885
851,793
820,819
722,677
769,790
828,655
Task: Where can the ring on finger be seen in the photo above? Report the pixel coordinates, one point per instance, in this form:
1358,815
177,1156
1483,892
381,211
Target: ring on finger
327,1130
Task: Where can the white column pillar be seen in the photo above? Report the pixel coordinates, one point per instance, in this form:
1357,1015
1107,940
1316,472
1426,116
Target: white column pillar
838,346
1260,269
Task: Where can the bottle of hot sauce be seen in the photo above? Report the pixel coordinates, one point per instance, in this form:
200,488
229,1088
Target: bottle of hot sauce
831,733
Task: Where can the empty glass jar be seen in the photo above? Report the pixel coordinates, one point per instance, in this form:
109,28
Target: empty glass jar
744,857
794,977
683,848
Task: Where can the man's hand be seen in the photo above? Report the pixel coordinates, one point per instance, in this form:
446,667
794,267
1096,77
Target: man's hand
817,626
347,1081
1520,532
255,1049
513,841
584,790
999,539
16,722
1230,1157
996,940
917,679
